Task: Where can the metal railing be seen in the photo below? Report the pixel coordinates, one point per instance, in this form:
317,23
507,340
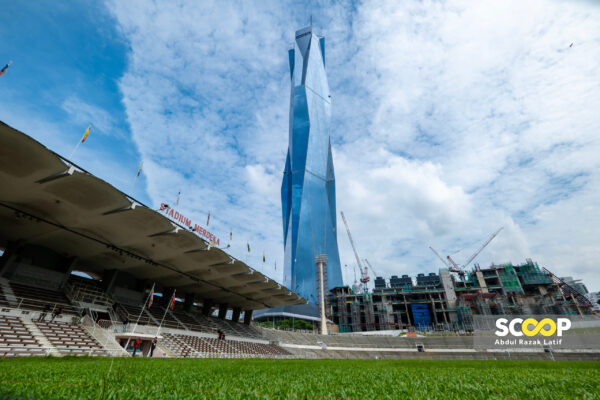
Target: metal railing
102,335
5,351
146,320
42,306
119,327
84,294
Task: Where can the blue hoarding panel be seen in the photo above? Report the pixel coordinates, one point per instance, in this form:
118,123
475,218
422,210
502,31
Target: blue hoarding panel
421,315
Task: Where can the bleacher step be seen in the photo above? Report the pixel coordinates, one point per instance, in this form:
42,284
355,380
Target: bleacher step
40,337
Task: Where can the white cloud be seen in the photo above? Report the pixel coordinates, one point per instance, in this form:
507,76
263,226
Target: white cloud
86,113
492,94
450,119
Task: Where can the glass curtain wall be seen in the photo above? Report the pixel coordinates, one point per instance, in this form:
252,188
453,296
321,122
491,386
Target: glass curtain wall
308,187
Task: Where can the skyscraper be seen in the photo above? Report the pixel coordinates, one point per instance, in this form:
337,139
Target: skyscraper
308,187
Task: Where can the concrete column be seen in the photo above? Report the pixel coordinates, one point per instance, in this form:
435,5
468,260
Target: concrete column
406,308
433,308
207,307
188,302
448,285
247,317
167,292
443,308
235,317
481,281
222,311
70,264
108,279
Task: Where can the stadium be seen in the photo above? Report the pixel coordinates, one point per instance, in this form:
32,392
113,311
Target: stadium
103,296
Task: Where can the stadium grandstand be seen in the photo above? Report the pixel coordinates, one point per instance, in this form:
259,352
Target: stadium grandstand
57,219
87,270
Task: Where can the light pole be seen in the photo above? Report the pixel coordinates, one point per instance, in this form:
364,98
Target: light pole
321,260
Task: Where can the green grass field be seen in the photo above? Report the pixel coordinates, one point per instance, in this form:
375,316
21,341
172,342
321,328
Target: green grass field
124,378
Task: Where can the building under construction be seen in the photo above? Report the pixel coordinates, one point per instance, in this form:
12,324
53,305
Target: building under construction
445,301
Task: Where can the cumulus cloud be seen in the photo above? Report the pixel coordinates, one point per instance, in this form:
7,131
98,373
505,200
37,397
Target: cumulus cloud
492,94
450,119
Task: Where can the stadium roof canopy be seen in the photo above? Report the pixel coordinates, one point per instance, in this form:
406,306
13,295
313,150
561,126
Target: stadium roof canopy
48,201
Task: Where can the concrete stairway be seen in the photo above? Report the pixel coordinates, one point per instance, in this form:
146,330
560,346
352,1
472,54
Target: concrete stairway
105,337
40,337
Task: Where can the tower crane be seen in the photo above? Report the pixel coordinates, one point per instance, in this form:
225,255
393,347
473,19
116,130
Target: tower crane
364,273
452,266
440,257
460,270
355,286
370,266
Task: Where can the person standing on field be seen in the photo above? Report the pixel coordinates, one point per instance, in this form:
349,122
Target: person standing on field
136,346
152,347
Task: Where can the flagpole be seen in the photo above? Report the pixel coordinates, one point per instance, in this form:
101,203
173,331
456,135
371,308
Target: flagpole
80,141
75,149
165,314
137,175
141,312
133,185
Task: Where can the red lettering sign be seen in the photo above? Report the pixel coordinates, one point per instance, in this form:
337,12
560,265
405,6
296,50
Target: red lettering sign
178,217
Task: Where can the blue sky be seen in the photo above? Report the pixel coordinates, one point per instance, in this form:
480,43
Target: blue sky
450,118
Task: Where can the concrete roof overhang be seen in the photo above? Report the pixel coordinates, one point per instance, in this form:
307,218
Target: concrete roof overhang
48,201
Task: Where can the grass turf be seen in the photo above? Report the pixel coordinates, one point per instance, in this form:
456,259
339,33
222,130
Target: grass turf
125,378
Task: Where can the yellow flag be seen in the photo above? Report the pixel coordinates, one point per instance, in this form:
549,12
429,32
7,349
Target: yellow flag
87,132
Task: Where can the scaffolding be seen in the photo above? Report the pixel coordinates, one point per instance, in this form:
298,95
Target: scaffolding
530,274
578,300
498,290
510,279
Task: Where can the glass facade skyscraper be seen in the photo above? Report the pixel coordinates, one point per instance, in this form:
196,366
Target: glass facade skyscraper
308,187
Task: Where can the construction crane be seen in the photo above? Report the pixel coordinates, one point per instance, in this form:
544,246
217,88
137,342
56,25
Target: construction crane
452,266
460,270
370,266
440,257
364,272
355,285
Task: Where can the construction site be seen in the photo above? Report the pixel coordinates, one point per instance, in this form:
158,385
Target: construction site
448,300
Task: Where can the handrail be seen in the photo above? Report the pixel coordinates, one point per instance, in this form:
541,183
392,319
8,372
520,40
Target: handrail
24,301
177,325
122,328
77,292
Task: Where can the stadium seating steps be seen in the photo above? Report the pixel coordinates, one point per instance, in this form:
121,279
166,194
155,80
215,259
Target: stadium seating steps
194,346
24,335
69,339
16,339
